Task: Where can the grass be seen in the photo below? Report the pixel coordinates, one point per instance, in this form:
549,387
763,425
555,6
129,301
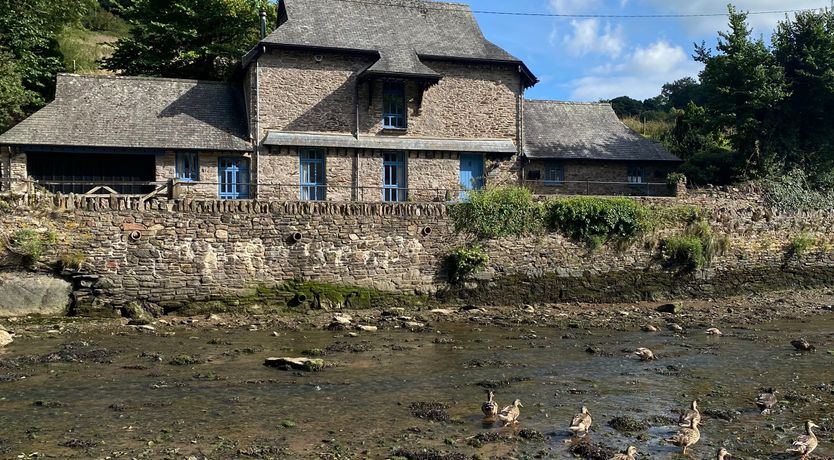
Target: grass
652,129
83,49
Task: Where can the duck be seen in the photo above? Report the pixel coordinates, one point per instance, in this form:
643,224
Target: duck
723,454
802,344
692,414
686,437
714,331
490,407
581,422
509,415
645,354
627,455
806,443
767,400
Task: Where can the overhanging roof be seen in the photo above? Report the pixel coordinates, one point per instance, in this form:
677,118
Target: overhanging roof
295,139
137,112
583,131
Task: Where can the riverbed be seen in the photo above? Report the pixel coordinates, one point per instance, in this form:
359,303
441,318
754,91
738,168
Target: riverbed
196,388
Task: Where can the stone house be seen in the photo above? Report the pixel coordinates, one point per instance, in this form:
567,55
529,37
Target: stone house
394,100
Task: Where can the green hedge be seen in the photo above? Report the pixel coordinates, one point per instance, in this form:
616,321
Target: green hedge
596,221
498,212
464,261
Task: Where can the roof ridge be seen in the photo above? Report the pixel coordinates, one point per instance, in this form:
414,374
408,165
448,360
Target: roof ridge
141,78
551,102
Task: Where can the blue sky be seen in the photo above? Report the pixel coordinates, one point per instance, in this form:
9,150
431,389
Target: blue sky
592,59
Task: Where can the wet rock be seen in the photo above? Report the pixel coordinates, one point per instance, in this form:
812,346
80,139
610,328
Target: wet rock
427,454
803,344
721,414
365,328
78,443
592,451
137,314
496,384
430,410
300,364
5,339
673,308
627,424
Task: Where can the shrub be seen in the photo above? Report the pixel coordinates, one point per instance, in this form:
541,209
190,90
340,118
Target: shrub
695,248
29,245
498,212
463,262
800,244
595,221
673,179
72,261
794,191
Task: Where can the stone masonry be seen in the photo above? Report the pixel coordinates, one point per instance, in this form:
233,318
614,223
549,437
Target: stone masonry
172,253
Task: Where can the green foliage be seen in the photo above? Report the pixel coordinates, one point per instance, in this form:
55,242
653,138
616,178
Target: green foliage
684,250
695,248
29,245
498,212
793,192
185,360
651,129
800,244
201,39
595,221
673,179
463,262
15,100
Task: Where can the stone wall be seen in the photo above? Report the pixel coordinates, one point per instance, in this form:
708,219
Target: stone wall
171,253
13,170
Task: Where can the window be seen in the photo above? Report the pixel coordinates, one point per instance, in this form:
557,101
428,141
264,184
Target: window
554,174
188,167
313,186
394,177
234,178
393,105
636,174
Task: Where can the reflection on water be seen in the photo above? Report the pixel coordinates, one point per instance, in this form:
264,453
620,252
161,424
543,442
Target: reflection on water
135,403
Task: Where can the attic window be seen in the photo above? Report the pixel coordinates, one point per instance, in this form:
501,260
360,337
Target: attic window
393,105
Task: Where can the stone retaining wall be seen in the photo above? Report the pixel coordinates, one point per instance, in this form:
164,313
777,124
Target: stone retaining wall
171,253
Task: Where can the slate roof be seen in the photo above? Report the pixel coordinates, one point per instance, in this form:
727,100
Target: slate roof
401,31
577,131
137,112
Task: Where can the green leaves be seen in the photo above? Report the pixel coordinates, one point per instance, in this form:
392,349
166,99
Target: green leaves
463,262
596,221
498,212
196,39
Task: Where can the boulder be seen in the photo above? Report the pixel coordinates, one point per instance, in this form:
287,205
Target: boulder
137,314
23,294
673,308
300,364
5,339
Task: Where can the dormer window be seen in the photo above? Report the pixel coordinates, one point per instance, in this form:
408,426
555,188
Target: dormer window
393,105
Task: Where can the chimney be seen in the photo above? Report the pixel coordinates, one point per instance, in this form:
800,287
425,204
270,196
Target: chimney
263,24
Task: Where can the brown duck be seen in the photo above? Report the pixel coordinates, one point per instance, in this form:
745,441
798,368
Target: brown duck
686,437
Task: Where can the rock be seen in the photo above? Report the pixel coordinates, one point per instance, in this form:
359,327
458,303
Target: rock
673,308
676,327
23,294
414,325
529,309
301,364
714,331
442,311
137,314
367,328
5,338
649,328
343,319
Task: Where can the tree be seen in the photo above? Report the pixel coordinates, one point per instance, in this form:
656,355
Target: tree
199,39
804,47
29,52
744,86
625,106
679,93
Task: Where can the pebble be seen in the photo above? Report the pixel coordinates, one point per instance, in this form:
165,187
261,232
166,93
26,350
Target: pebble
5,338
414,325
342,319
442,311
364,328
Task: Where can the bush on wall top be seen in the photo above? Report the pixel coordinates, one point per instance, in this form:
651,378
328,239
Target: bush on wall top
596,221
498,212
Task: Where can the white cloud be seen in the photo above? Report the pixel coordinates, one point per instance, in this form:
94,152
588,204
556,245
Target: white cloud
640,74
763,24
589,36
574,6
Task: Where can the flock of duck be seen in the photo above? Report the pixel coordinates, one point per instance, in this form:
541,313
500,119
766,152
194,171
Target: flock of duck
688,434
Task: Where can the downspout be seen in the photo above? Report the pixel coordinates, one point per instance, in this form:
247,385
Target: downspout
256,154
354,192
520,125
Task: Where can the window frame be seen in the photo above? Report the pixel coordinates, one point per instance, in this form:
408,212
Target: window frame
181,171
636,175
312,160
240,188
390,117
395,183
559,177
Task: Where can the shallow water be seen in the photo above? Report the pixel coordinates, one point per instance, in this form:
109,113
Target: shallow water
231,406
